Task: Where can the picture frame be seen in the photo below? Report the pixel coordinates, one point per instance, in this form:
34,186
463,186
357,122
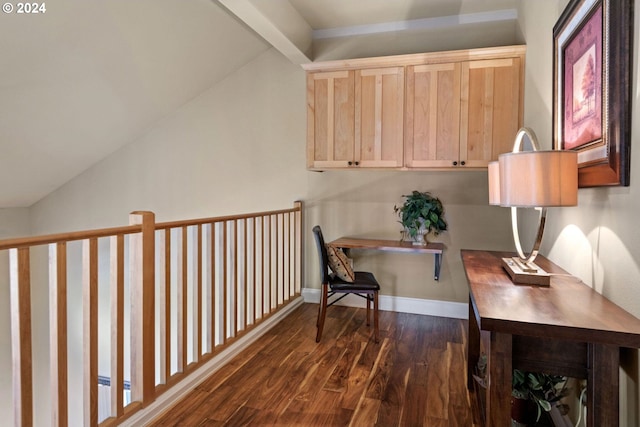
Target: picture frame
592,59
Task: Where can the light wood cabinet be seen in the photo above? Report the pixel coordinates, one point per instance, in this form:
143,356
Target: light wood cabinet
379,95
457,109
432,132
330,119
490,109
355,118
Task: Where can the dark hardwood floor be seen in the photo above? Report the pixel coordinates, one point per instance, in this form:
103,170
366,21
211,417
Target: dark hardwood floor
415,376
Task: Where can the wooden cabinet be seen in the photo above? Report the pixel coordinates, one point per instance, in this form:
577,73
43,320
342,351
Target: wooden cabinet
379,117
330,119
432,132
355,118
490,109
457,109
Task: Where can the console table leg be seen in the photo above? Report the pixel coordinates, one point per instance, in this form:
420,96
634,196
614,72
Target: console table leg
603,398
499,369
473,346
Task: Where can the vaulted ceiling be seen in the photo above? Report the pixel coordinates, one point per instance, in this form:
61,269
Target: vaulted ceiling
87,77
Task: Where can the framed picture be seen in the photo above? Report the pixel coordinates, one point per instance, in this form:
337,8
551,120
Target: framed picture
592,57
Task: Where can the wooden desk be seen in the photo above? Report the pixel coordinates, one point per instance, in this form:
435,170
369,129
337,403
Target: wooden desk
565,329
393,246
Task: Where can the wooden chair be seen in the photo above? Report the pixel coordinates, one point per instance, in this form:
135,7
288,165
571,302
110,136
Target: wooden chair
365,285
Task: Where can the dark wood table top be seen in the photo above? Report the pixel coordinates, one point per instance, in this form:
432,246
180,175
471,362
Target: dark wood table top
387,245
568,309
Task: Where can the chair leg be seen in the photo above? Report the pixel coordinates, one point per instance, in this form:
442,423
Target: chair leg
319,309
375,317
368,308
323,311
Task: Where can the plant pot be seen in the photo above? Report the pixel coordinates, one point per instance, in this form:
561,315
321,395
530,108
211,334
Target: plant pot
523,411
421,239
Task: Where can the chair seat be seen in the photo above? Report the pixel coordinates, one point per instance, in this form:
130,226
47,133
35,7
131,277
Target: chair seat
364,281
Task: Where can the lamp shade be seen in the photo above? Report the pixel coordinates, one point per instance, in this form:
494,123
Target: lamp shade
494,183
538,178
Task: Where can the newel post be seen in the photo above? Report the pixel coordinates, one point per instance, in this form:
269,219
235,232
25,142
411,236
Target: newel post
299,241
142,282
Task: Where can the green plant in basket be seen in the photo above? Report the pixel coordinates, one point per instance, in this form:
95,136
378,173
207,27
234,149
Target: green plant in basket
421,213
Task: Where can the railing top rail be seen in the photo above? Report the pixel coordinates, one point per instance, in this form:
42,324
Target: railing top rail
23,242
200,221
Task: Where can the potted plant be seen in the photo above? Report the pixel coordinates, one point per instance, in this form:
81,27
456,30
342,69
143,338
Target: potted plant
420,214
532,393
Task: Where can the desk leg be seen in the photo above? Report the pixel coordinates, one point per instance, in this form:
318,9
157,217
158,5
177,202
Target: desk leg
473,346
603,398
438,264
499,369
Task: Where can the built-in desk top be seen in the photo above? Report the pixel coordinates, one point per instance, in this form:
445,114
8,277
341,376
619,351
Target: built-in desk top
393,246
568,309
387,245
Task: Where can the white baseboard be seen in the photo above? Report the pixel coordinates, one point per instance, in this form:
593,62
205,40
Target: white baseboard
456,310
182,388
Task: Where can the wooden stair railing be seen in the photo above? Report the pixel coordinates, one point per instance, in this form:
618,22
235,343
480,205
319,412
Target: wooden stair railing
196,286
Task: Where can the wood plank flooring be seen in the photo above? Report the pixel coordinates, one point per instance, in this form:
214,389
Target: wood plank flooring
415,376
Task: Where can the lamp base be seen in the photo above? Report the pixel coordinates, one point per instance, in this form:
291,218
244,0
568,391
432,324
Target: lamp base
525,273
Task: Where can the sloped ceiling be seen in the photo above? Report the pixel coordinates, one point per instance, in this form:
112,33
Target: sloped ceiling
87,77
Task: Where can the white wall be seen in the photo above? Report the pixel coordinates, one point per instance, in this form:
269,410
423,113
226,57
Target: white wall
599,240
238,147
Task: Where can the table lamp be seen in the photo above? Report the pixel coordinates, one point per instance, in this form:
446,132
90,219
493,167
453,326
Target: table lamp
532,179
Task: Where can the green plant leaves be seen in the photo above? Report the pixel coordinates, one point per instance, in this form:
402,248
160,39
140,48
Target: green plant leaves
539,387
421,211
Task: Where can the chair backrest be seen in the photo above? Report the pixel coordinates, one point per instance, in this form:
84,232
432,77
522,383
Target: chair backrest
322,254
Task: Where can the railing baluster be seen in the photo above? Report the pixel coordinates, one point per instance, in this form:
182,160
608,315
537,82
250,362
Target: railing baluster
198,294
166,347
90,330
185,298
287,252
214,311
20,284
181,300
245,279
161,282
253,270
206,289
278,283
262,264
224,282
117,324
235,278
283,259
58,333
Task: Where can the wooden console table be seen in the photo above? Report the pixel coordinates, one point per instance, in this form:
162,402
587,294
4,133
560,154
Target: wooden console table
564,329
393,246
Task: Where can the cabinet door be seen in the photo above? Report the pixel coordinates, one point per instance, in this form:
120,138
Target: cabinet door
432,124
491,109
330,119
379,95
